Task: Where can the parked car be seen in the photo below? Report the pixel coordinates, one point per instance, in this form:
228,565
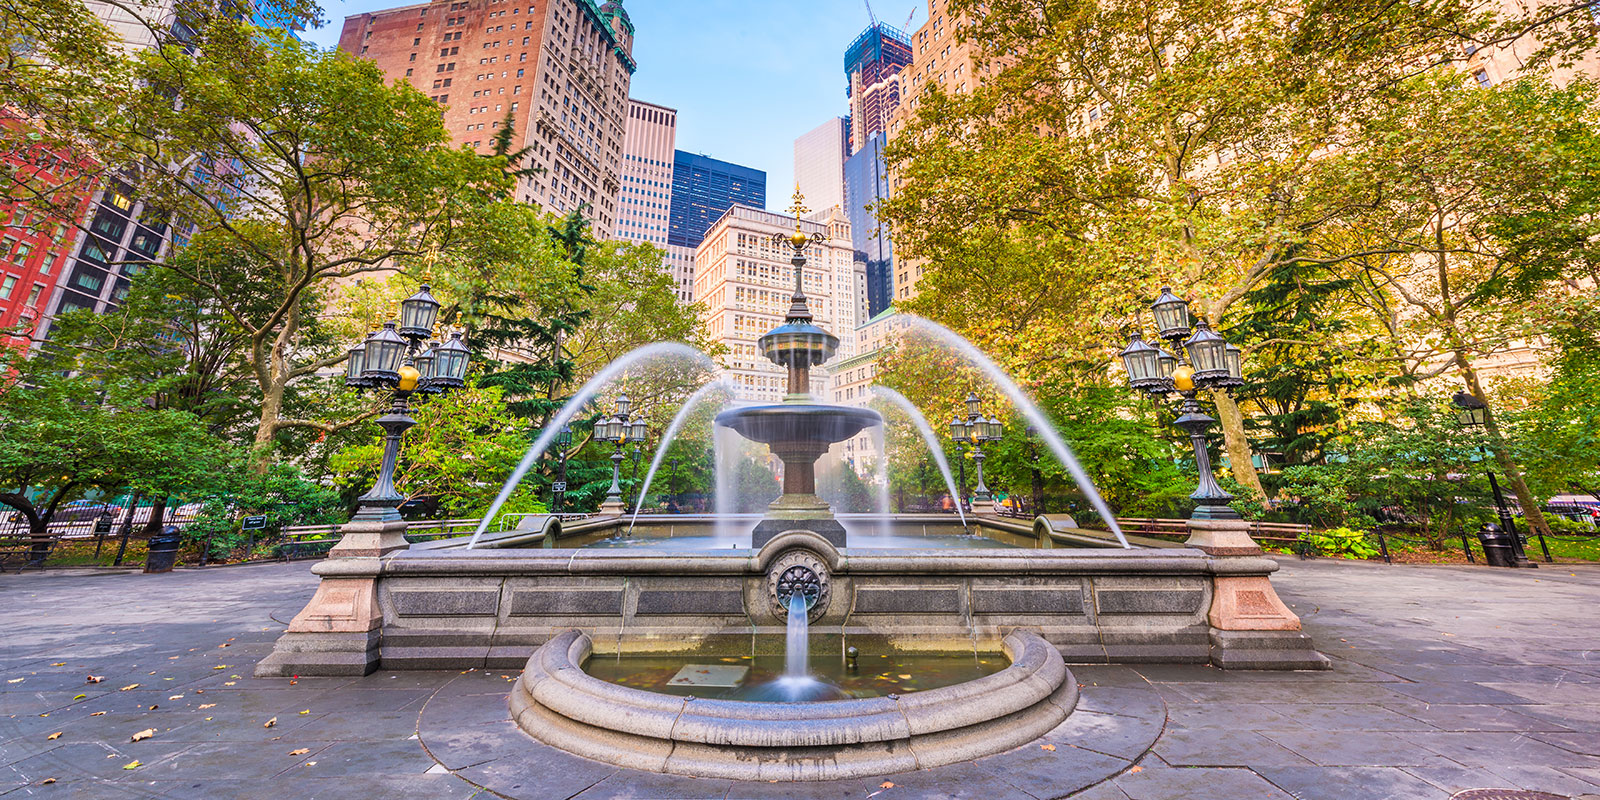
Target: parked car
79,510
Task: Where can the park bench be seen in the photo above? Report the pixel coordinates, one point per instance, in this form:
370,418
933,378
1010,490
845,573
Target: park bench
307,541
19,548
1288,534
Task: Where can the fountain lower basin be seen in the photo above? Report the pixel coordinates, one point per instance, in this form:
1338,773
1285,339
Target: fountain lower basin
558,703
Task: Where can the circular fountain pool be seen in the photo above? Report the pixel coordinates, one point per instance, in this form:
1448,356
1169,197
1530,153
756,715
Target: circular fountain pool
744,677
561,704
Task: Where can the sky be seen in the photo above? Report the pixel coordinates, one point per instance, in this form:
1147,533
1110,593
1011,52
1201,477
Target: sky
747,78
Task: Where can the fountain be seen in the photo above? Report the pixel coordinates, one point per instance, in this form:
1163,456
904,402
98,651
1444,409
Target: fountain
1025,596
798,430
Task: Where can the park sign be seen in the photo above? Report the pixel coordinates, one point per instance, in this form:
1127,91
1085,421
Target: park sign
256,523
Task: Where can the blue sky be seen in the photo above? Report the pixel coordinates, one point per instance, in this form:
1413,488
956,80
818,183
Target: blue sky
746,77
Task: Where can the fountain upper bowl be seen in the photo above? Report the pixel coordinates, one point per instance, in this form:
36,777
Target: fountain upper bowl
799,422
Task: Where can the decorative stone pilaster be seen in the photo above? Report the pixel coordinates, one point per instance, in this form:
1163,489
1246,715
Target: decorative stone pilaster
339,630
1251,628
361,538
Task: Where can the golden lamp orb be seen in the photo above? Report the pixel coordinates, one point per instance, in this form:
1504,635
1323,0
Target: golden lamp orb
799,240
408,378
1183,377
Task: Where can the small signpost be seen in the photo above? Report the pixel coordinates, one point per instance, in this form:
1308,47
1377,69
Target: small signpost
558,486
256,523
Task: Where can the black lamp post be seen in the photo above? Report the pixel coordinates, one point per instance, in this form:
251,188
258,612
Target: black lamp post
672,486
1212,364
975,430
1474,413
392,360
1038,478
620,429
558,489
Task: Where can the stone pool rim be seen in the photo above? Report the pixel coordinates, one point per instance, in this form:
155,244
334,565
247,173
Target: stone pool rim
559,704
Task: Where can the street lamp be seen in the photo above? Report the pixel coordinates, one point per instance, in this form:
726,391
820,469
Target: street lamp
389,361
1474,413
672,487
558,489
1212,363
619,429
975,431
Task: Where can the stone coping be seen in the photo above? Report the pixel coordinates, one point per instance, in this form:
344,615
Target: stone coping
555,701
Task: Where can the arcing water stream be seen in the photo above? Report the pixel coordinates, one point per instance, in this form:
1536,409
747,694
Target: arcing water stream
929,437
666,438
568,411
1023,403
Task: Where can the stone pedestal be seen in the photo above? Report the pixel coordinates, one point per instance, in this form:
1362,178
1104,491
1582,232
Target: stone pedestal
1251,628
613,508
800,511
361,538
337,633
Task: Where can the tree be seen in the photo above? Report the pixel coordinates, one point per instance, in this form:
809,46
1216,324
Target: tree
62,436
302,167
1117,144
1488,200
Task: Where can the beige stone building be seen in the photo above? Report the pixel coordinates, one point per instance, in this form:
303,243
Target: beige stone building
745,281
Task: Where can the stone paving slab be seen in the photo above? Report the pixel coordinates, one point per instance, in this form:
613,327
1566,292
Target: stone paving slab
1444,679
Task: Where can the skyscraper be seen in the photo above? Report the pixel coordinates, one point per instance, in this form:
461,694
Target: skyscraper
819,163
561,70
703,188
873,64
645,200
867,183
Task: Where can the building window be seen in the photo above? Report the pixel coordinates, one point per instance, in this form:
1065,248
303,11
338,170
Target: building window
408,72
1482,77
7,286
33,294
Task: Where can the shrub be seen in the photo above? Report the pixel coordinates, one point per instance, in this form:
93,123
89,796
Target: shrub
1341,542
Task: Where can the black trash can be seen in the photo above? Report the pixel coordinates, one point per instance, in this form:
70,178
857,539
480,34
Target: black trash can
163,551
1497,549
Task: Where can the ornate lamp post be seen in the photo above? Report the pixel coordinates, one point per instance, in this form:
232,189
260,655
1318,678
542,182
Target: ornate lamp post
1212,363
1474,413
672,486
975,431
392,359
619,429
558,489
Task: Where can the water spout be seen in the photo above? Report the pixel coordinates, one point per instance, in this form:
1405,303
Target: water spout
797,644
880,480
929,437
666,439
584,395
1020,399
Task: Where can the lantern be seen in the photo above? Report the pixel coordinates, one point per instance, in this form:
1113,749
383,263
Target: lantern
1172,315
450,363
1234,359
381,361
424,362
638,431
1142,361
1474,412
417,314
1208,353
995,429
972,405
958,430
564,438
352,367
623,404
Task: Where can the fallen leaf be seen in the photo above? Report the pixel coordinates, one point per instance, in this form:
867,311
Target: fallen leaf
302,751
176,697
292,683
305,712
1136,769
53,736
172,658
224,644
228,683
1049,747
270,722
144,734
886,785
129,686
59,664
47,781
79,696
132,765
905,677
220,666
98,714
16,680
154,707
208,719
311,763
96,678
204,706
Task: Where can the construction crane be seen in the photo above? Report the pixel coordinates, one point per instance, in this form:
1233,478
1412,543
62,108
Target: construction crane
871,16
907,26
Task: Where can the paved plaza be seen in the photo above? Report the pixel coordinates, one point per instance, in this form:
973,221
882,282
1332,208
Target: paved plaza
1445,679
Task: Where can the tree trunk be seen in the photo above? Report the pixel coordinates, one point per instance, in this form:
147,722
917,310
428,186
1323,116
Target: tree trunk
1236,444
158,514
266,428
1531,512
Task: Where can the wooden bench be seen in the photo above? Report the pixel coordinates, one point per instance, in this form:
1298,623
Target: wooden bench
19,549
1290,534
307,541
